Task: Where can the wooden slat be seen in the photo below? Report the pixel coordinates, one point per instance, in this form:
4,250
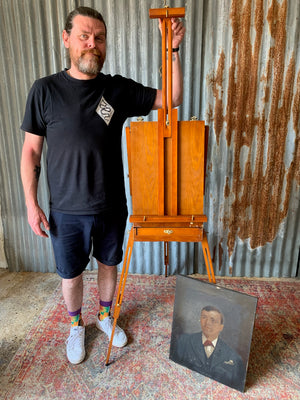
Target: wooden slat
174,163
164,70
191,219
191,143
170,76
144,161
167,12
128,142
161,162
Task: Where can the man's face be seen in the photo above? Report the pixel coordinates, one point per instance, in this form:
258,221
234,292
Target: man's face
87,45
211,324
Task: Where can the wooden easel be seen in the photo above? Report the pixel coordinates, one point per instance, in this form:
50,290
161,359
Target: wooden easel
166,169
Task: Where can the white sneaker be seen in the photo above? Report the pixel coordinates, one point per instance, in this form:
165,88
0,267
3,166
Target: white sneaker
75,345
106,326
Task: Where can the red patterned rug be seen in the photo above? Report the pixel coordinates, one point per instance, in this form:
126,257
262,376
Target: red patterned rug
142,369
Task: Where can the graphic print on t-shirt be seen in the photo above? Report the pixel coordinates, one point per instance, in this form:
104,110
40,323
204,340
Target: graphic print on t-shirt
105,110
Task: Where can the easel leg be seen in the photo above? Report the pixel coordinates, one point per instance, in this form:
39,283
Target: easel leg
207,259
121,288
166,257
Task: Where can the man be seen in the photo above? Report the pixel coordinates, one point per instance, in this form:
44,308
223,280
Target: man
81,112
207,353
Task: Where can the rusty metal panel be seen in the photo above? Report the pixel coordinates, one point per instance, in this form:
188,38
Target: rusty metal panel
241,67
253,99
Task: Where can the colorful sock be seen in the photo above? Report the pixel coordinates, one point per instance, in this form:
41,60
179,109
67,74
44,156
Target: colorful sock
76,319
104,309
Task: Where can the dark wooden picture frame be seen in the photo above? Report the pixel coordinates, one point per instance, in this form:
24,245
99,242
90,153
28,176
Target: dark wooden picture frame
204,307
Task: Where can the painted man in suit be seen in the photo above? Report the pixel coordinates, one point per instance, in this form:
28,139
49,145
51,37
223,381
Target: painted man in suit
206,353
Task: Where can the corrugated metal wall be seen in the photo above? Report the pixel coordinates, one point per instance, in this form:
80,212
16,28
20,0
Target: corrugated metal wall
241,69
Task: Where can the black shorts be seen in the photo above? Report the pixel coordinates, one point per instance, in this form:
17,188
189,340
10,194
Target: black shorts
74,236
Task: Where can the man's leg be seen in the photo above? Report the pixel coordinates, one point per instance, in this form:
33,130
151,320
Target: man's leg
107,280
71,240
73,295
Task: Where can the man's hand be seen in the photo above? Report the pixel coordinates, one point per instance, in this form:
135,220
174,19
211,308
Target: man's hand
36,217
178,30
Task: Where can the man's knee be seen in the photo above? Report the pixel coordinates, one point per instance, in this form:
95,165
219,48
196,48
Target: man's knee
73,282
105,267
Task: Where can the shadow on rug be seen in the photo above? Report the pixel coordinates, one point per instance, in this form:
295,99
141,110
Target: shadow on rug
142,369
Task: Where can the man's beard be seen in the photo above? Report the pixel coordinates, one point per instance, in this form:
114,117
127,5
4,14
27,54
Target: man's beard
90,65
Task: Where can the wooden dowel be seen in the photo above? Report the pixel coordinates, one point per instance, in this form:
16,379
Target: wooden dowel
164,69
169,73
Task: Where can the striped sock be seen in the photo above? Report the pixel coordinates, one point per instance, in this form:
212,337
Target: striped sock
104,309
76,319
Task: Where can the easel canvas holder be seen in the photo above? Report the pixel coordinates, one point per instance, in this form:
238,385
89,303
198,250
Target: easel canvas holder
166,162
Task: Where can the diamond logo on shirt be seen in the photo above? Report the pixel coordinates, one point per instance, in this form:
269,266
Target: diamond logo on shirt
105,110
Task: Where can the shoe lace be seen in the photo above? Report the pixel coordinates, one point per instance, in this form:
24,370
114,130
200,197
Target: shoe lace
108,322
75,336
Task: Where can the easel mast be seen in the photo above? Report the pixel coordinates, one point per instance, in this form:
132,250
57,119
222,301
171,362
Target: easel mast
167,115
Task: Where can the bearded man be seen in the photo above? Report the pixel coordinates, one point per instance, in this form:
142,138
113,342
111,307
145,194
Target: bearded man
80,112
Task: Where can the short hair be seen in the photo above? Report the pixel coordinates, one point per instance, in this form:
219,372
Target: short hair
84,11
212,308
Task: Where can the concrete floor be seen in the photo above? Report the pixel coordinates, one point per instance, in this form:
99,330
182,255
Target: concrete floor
23,296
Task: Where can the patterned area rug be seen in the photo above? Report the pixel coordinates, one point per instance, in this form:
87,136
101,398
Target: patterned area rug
142,369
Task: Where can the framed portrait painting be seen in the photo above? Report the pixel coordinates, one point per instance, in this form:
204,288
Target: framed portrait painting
212,330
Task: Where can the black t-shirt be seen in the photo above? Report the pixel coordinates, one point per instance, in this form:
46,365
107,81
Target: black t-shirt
82,121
